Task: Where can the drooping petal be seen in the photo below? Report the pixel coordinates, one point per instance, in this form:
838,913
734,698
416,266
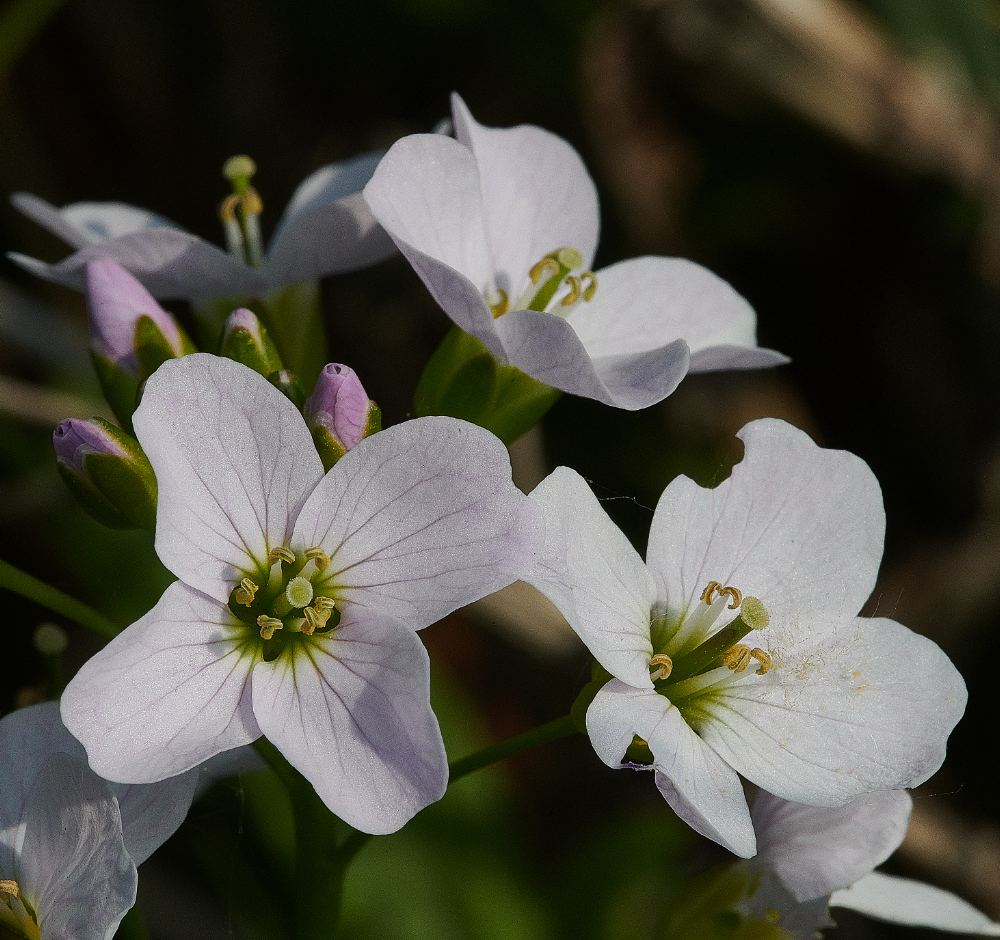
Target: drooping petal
847,707
611,592
152,812
74,868
816,849
537,195
797,526
169,263
234,462
166,694
351,711
637,380
902,901
698,785
327,227
89,223
420,519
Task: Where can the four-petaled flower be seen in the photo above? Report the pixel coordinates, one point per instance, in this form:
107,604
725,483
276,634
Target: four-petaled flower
736,649
299,593
502,225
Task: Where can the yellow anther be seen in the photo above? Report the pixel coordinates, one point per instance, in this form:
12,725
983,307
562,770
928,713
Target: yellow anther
735,594
713,588
239,167
590,279
498,301
664,665
245,592
737,657
10,887
708,593
317,555
574,291
315,620
322,602
227,209
546,267
268,625
252,203
285,554
764,658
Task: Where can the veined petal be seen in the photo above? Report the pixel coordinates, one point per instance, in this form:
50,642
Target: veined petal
327,227
168,262
817,849
89,223
537,195
166,694
797,526
351,711
848,707
902,901
637,380
611,592
234,462
698,785
420,519
74,868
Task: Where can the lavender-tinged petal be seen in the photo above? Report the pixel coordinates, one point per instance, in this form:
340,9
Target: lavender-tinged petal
74,868
167,693
327,227
537,195
728,357
638,380
768,897
795,525
75,438
610,592
817,849
234,461
351,712
152,812
340,404
420,519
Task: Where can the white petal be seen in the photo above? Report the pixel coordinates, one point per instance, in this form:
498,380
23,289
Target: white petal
168,262
769,902
818,849
610,591
698,785
420,519
166,694
537,195
351,711
797,526
234,461
848,707
327,227
152,812
74,868
902,901
638,380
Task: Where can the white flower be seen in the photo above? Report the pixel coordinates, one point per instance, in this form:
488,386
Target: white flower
70,841
299,593
502,225
325,229
792,689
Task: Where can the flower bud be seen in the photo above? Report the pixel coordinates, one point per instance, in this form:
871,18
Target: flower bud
107,472
245,340
339,413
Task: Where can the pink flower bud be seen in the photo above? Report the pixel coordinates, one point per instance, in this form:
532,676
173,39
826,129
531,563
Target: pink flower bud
340,404
74,438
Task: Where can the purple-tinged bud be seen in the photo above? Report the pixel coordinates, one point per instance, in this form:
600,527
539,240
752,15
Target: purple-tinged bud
245,340
107,472
339,413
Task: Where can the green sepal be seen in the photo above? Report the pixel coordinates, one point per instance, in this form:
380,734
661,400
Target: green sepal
121,390
287,382
464,380
152,348
129,486
374,419
328,446
294,317
599,677
241,346
92,501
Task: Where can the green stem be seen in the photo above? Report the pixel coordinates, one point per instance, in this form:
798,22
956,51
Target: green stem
559,728
20,582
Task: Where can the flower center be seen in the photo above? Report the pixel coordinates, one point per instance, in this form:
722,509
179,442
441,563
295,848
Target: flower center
240,212
288,597
559,272
17,919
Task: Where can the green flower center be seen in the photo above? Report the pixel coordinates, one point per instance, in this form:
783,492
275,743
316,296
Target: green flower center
562,268
17,919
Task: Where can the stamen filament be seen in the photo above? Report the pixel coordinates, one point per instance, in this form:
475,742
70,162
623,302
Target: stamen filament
664,665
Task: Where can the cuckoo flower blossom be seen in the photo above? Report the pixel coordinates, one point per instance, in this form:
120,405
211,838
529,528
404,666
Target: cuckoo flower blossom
299,593
502,224
325,229
736,648
70,841
811,858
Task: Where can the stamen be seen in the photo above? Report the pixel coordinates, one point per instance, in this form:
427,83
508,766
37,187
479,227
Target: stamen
299,592
245,592
319,556
268,625
498,301
574,291
10,887
664,665
709,591
737,657
315,620
547,266
282,553
764,658
322,602
714,587
590,279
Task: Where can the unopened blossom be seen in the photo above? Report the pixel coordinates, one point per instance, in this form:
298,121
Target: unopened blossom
300,593
325,229
339,412
736,648
502,226
70,841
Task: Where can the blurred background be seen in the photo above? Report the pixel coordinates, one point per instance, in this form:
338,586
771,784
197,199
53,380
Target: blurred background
836,160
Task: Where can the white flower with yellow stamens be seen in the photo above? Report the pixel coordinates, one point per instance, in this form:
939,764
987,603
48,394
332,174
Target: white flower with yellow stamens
736,647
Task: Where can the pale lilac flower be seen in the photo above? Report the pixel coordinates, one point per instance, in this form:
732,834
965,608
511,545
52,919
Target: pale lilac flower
792,689
299,593
325,229
811,858
70,841
502,225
